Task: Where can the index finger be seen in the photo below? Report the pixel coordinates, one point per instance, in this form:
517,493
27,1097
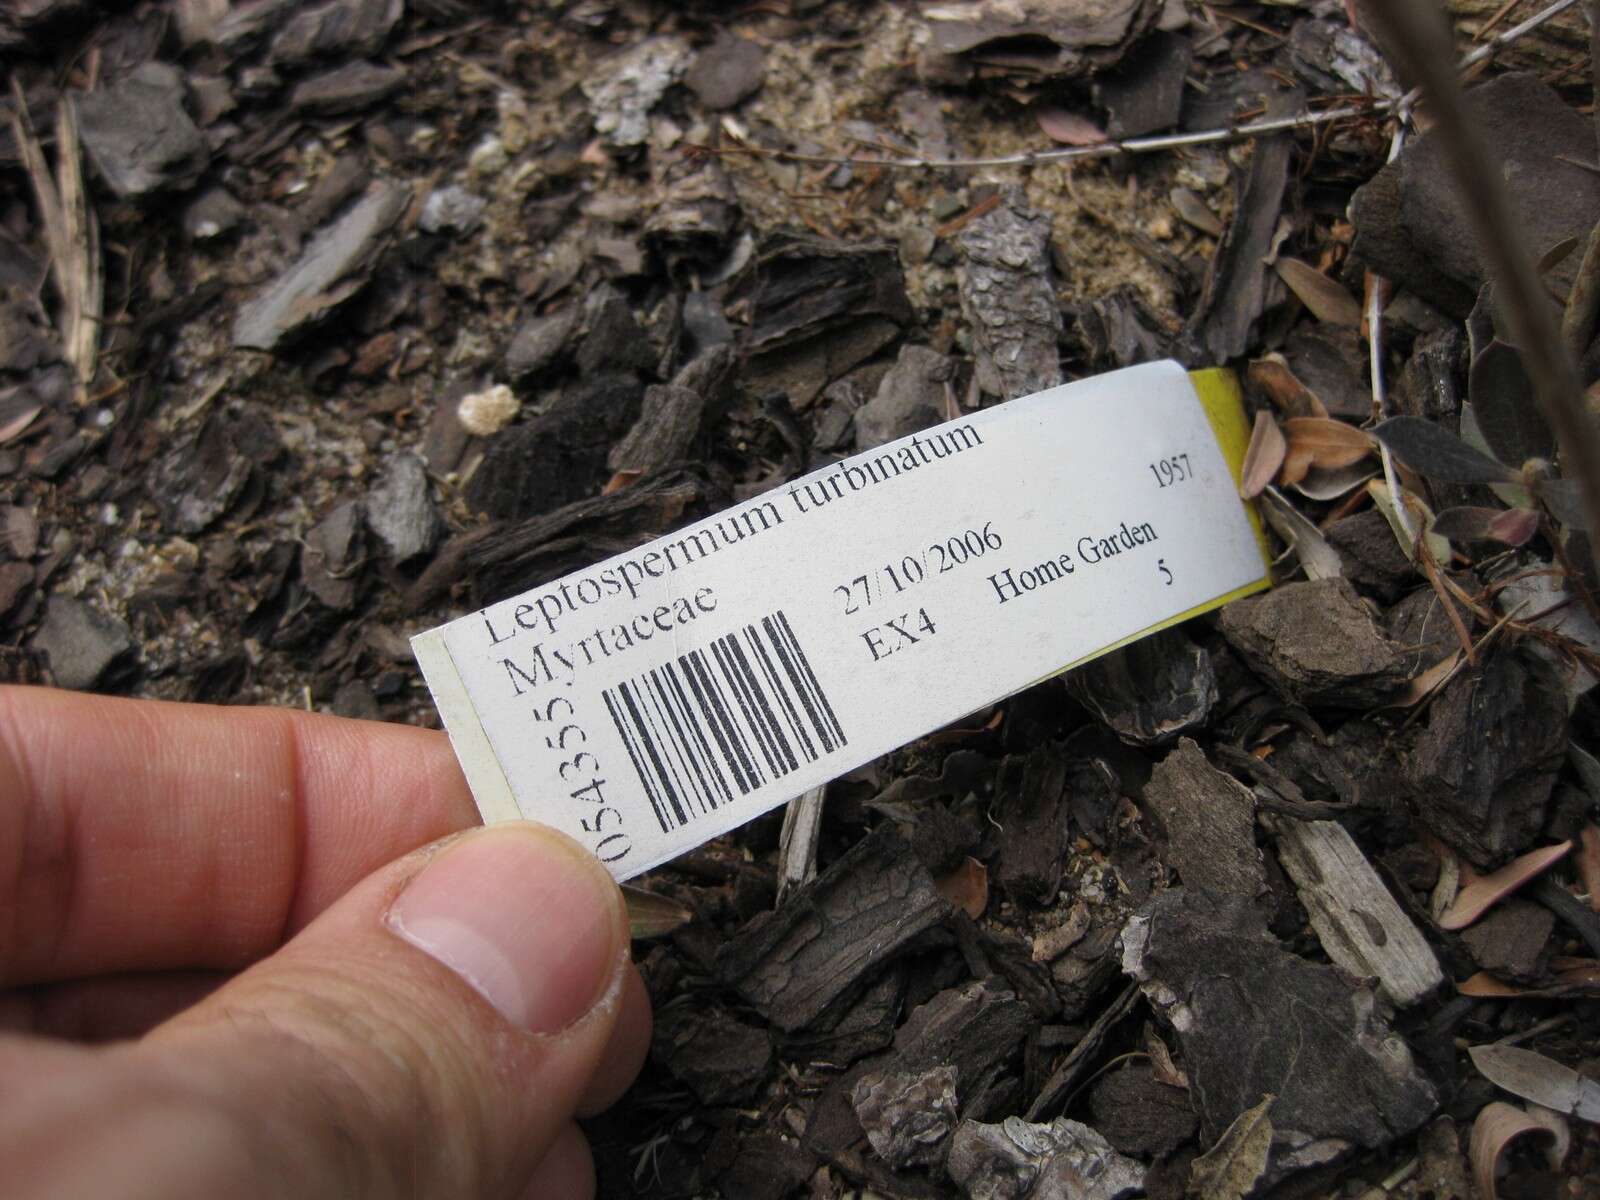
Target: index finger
140,835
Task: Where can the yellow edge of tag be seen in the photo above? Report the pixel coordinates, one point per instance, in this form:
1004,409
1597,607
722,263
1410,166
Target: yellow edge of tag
486,779
1218,389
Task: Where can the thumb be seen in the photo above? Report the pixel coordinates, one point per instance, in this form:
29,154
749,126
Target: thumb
431,1034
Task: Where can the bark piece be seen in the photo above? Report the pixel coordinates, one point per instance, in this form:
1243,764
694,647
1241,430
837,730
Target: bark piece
400,509
1411,220
1370,555
82,643
1151,691
695,211
333,558
910,398
1007,298
342,28
559,456
792,965
765,1167
1145,92
1031,791
332,269
210,472
728,71
673,415
907,1116
1235,292
1512,940
720,1058
1483,771
138,135
1356,919
1254,1019
1210,822
1064,1160
539,341
1140,1115
1317,644
1030,41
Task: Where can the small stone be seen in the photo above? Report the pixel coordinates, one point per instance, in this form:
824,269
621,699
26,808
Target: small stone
400,510
81,642
727,72
452,209
626,88
139,136
910,398
486,413
214,214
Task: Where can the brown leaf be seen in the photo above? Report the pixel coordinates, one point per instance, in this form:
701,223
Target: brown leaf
1330,444
1230,1169
1264,457
1326,298
619,481
1272,375
1485,986
650,915
1323,485
1423,685
967,887
18,424
1529,1075
1195,211
1484,891
1497,1126
1514,526
1161,1065
1068,128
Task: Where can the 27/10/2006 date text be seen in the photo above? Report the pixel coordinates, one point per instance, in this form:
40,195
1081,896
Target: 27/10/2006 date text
891,579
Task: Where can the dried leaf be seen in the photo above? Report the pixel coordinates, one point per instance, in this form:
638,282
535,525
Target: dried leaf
967,887
1557,254
1195,211
1485,986
1556,1153
1510,526
619,481
1263,458
1230,1169
1486,890
1421,519
1161,1065
1424,684
1326,298
1512,495
1531,1076
1068,128
1322,485
1497,1126
1437,454
1272,375
1320,560
651,916
1514,527
1508,413
1331,444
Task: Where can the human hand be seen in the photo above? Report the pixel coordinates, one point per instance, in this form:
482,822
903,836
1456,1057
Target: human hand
312,1018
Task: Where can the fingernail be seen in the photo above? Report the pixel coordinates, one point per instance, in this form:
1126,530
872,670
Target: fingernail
521,915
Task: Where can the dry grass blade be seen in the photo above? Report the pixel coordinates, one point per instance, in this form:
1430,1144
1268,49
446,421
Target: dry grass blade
1478,896
72,235
1263,458
1326,299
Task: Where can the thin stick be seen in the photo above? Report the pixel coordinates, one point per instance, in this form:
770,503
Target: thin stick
1380,393
1419,36
1151,145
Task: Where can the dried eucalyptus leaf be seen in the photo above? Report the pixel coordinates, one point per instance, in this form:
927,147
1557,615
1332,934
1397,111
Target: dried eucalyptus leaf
1263,458
1230,1169
1508,413
651,915
1564,499
1497,1126
1325,442
1532,1076
1465,523
1437,454
1326,298
1320,560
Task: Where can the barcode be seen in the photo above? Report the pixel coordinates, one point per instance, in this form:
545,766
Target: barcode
725,719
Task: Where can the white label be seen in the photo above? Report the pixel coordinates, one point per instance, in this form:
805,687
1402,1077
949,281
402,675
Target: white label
671,693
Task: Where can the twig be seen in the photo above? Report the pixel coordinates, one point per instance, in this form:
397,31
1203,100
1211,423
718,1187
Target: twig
1150,145
1380,393
1421,38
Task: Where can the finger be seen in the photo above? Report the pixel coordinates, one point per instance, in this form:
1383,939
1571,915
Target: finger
624,1053
103,1010
137,835
567,1171
430,1034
